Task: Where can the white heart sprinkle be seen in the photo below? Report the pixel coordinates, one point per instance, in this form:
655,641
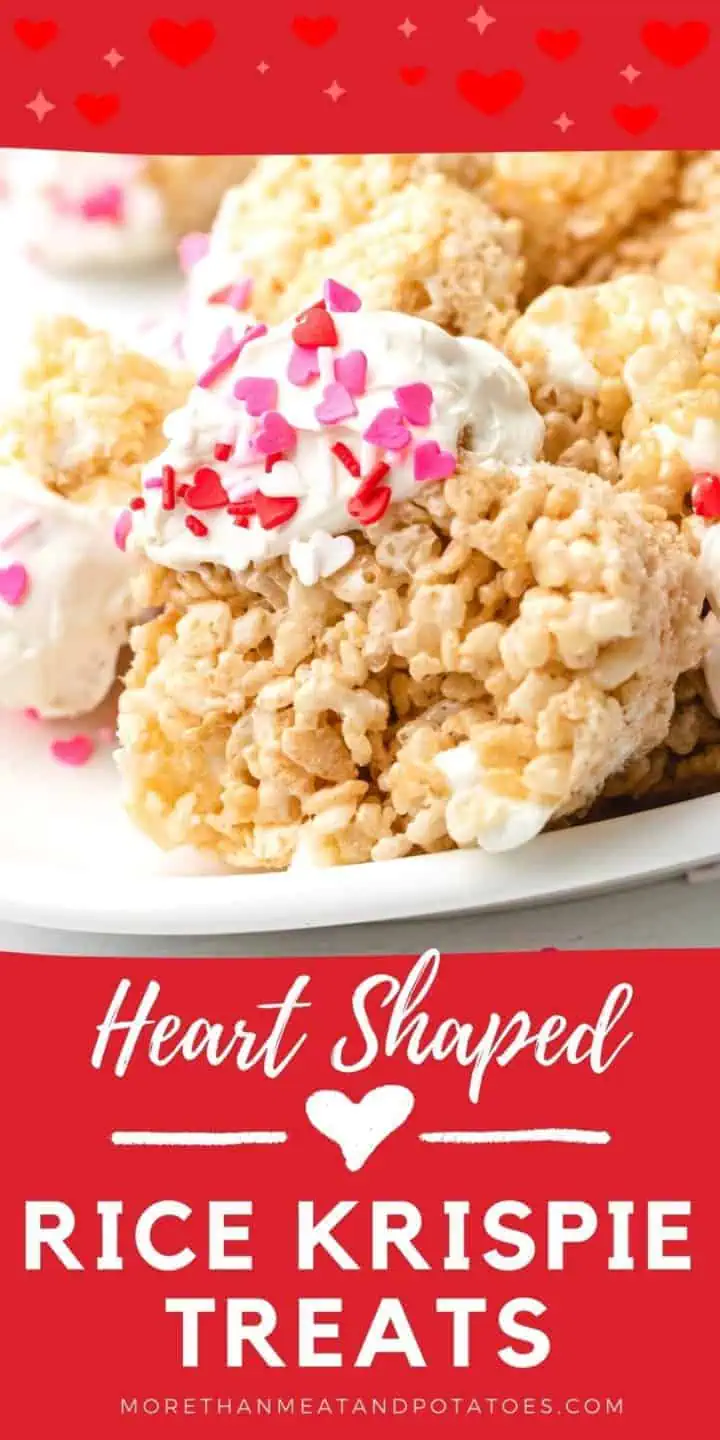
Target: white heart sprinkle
320,556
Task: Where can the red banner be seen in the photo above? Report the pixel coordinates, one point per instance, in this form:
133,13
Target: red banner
417,75
396,1191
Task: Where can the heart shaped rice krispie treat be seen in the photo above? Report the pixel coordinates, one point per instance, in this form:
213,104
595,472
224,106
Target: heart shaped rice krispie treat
383,627
78,210
86,417
394,226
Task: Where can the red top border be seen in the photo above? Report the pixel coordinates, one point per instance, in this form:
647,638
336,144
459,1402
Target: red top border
359,75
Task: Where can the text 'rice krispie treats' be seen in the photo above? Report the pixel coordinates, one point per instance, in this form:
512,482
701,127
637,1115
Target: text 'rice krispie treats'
575,205
383,627
87,416
75,209
396,227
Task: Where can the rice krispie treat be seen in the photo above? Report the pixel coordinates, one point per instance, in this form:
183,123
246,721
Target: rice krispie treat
382,626
409,236
86,418
575,205
681,245
76,210
627,376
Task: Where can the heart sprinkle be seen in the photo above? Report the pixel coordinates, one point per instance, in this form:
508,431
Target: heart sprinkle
303,365
339,298
314,329
368,512
14,585
351,371
414,403
705,497
275,436
337,404
237,296
121,529
77,751
432,463
207,491
259,395
388,431
274,510
192,248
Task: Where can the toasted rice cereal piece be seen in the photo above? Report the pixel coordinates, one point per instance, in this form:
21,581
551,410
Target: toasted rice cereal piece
623,374
536,617
682,245
192,187
88,414
574,205
434,250
686,764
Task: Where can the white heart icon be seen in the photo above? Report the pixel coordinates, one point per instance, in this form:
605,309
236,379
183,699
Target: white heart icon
358,1127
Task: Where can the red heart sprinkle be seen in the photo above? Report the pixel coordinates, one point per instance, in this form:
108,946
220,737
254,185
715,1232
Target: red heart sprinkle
490,93
76,751
36,34
636,119
314,30
206,491
183,44
675,44
368,512
315,328
98,109
558,44
412,74
705,496
274,510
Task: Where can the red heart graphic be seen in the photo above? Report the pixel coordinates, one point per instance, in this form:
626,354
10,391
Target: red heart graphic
490,93
182,43
558,44
636,119
314,29
97,108
675,44
36,34
413,74
206,491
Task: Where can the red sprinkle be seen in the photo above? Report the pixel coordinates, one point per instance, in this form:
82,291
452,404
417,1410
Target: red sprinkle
705,496
137,503
370,483
195,526
368,512
315,327
168,487
222,451
274,510
272,460
344,454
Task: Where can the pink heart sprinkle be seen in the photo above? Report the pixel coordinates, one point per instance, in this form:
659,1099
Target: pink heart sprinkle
32,714
236,296
106,204
122,528
275,436
432,463
336,405
387,431
14,585
192,248
259,394
415,402
303,365
351,371
73,752
339,298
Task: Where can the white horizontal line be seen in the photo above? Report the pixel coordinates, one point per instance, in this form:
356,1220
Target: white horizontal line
199,1137
509,1137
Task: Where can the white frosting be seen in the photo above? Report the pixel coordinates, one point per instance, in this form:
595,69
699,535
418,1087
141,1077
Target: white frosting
506,822
51,189
566,361
206,320
478,396
59,646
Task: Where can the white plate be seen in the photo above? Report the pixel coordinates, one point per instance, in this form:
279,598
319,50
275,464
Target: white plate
70,859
